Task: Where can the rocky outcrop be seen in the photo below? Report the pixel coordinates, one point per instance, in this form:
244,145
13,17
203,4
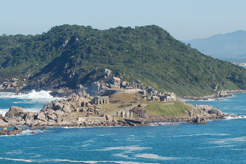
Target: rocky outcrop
139,112
58,113
217,96
15,116
3,124
201,113
12,85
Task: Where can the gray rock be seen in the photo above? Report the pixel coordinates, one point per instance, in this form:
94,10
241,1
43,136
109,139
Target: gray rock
66,109
109,118
58,106
17,128
59,113
12,132
14,112
3,123
215,111
107,73
2,133
41,116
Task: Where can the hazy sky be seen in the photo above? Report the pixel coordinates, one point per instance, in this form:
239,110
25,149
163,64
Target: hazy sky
183,19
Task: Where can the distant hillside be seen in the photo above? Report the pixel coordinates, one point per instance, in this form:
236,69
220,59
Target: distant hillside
71,55
230,45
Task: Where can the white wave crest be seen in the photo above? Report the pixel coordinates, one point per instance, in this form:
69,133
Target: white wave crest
31,132
154,156
204,134
230,140
3,111
236,117
68,161
129,148
164,123
41,95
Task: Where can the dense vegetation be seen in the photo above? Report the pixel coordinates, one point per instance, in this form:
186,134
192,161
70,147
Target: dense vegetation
68,55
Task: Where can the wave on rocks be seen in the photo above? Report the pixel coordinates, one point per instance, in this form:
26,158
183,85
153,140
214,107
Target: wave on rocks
30,102
33,95
235,117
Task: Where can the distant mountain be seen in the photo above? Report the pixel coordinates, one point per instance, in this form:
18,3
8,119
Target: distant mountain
73,55
230,45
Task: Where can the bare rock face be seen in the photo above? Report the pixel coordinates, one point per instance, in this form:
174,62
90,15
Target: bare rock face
2,133
17,128
107,73
12,132
41,116
140,112
3,124
109,118
215,111
15,115
198,119
115,121
66,109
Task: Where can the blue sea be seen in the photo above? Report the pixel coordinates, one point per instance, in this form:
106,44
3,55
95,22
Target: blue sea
214,142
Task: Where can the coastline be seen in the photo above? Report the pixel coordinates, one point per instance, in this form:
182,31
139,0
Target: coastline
49,116
217,96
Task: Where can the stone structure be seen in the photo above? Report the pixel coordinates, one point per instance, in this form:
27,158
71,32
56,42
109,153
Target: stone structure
155,98
166,97
101,100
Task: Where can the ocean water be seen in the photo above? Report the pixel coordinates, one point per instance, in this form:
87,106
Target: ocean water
214,142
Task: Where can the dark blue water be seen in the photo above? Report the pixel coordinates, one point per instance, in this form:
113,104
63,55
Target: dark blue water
214,142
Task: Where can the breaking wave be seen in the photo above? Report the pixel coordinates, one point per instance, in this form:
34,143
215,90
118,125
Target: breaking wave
68,161
33,95
30,102
235,117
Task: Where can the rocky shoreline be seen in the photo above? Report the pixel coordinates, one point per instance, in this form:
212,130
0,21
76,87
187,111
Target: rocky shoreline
217,96
79,109
62,113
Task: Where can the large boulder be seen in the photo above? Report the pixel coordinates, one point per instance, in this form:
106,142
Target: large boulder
17,128
2,133
215,111
107,73
3,124
15,112
12,132
197,119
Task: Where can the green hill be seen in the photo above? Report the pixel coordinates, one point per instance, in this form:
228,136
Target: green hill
70,55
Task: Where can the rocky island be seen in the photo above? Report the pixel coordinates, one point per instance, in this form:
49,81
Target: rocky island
118,103
117,77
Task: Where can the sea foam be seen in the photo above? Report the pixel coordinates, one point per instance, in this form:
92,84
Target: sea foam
33,97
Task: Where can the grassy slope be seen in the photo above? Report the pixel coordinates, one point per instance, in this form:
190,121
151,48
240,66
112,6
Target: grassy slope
119,101
178,108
